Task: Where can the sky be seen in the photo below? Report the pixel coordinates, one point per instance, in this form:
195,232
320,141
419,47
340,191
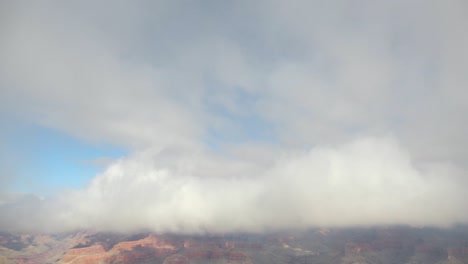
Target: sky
241,116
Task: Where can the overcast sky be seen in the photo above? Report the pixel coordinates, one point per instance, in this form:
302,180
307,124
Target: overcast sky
220,116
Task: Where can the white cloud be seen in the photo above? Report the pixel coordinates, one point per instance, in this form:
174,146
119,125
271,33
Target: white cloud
371,181
151,76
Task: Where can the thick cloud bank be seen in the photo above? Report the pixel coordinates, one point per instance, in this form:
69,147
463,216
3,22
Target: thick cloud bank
370,181
242,115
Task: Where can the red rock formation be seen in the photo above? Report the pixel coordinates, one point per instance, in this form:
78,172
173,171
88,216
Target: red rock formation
92,254
138,254
95,258
148,248
95,249
55,248
149,241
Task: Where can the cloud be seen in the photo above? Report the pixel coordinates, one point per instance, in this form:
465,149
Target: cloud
183,86
371,181
61,72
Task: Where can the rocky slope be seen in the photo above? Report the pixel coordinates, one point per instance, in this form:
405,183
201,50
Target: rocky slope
373,245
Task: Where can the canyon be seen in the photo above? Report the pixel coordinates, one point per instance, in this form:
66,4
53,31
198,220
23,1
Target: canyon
407,245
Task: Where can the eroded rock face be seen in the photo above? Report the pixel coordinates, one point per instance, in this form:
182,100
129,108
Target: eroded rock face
93,258
92,254
135,251
95,249
154,248
36,248
150,241
333,246
85,255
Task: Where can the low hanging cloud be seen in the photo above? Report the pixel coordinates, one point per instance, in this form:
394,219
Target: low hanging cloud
370,181
243,116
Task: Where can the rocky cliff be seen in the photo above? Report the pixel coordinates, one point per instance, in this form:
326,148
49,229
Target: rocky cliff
387,246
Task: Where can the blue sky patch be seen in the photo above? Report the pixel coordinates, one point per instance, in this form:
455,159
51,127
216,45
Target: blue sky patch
43,160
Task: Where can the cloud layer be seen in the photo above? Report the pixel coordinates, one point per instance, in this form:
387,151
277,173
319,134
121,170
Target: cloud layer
370,181
245,116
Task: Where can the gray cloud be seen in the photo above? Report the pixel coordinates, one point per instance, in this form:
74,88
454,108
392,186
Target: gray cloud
327,79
